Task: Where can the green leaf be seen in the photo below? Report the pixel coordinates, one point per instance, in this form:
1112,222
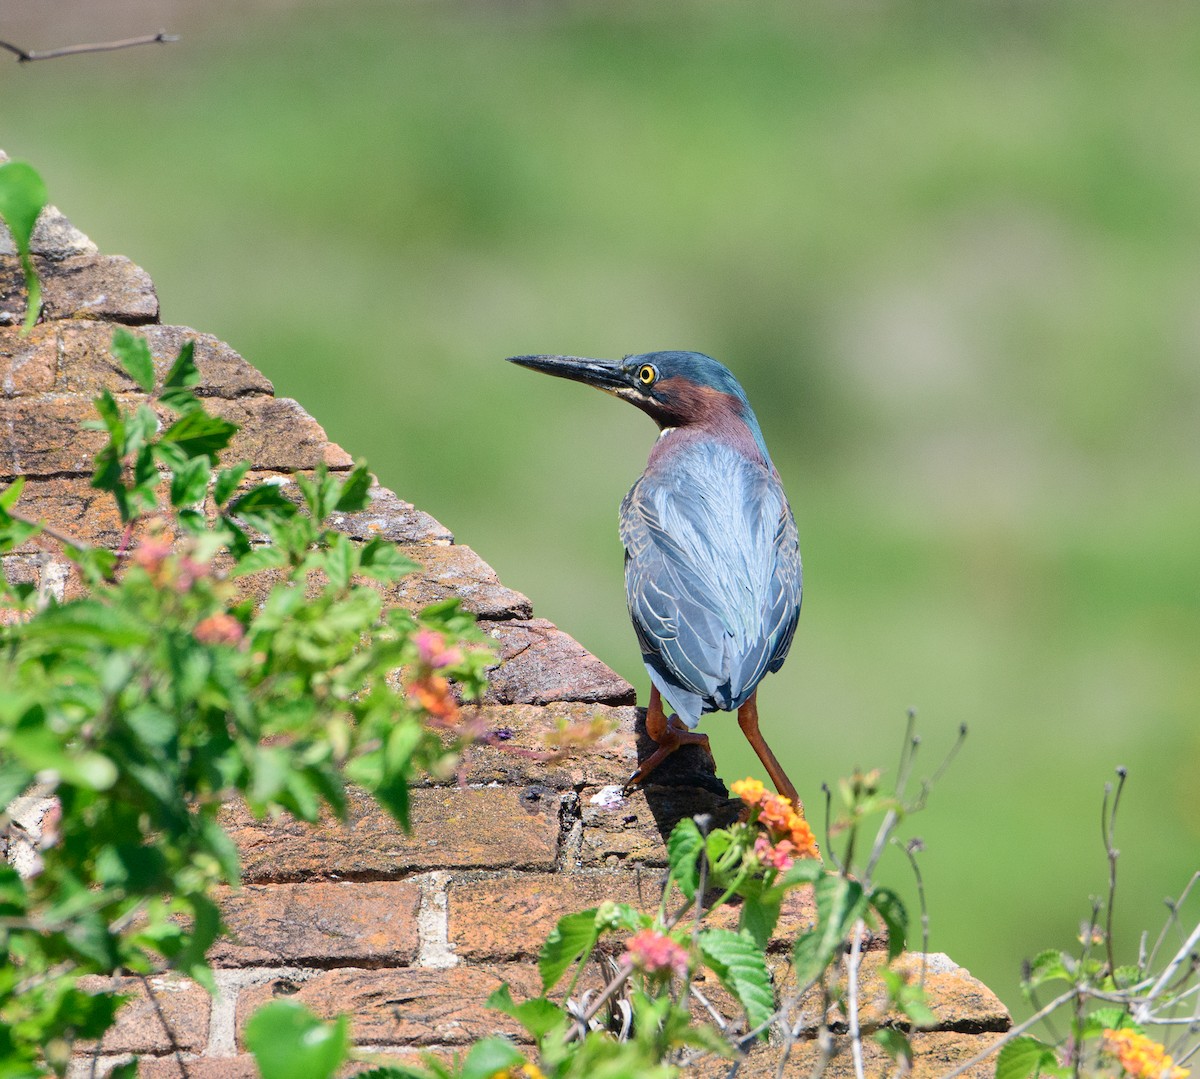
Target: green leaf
571,940
340,561
176,393
37,746
760,911
128,1070
198,434
1050,965
1102,1019
684,846
259,559
489,1056
288,1042
263,506
22,198
227,482
189,482
10,494
538,1016
355,493
742,967
896,1045
1024,1056
134,354
840,903
381,560
803,871
888,906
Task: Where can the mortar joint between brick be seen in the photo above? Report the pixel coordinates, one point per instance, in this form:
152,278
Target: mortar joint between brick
433,923
570,834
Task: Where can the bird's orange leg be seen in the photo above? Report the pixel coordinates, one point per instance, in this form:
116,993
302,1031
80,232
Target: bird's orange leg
748,721
670,734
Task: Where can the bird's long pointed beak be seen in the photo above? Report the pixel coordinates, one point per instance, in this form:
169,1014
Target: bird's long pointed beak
603,374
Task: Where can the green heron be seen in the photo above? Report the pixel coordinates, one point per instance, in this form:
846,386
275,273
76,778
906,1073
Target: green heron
712,561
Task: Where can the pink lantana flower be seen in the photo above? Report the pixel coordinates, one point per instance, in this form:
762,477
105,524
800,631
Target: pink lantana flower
432,650
219,629
653,952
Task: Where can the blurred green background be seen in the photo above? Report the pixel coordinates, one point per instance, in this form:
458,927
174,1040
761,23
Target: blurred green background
951,250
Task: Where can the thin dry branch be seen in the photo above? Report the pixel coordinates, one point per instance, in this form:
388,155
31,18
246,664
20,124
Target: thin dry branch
25,56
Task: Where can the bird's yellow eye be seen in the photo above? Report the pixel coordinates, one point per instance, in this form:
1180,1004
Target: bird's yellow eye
647,375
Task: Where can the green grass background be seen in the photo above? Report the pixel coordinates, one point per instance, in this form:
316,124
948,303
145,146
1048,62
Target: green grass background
951,250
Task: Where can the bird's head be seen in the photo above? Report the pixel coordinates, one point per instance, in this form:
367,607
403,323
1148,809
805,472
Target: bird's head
676,389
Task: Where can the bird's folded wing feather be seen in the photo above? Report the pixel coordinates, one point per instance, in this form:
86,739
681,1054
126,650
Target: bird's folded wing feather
712,572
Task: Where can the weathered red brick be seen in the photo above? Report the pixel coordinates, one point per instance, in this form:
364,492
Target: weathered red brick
516,750
367,922
391,517
90,286
405,1006
138,1029
238,1067
539,664
453,828
457,571
961,1002
510,917
28,365
934,1054
88,365
634,828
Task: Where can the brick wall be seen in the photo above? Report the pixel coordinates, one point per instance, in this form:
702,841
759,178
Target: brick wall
408,933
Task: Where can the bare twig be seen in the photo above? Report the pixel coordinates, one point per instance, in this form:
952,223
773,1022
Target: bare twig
26,56
1143,1014
852,965
65,538
1108,824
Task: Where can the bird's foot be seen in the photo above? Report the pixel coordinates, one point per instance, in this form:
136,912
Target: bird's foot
674,734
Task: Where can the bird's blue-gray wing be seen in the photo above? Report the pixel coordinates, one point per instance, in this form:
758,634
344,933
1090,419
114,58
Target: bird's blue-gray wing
712,575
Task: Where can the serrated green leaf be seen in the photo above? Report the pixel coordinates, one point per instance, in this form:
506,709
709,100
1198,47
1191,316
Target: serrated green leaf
742,968
888,905
176,393
1023,1057
288,1041
263,506
189,482
1102,1019
1049,965
134,354
840,903
197,434
684,846
760,911
572,939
